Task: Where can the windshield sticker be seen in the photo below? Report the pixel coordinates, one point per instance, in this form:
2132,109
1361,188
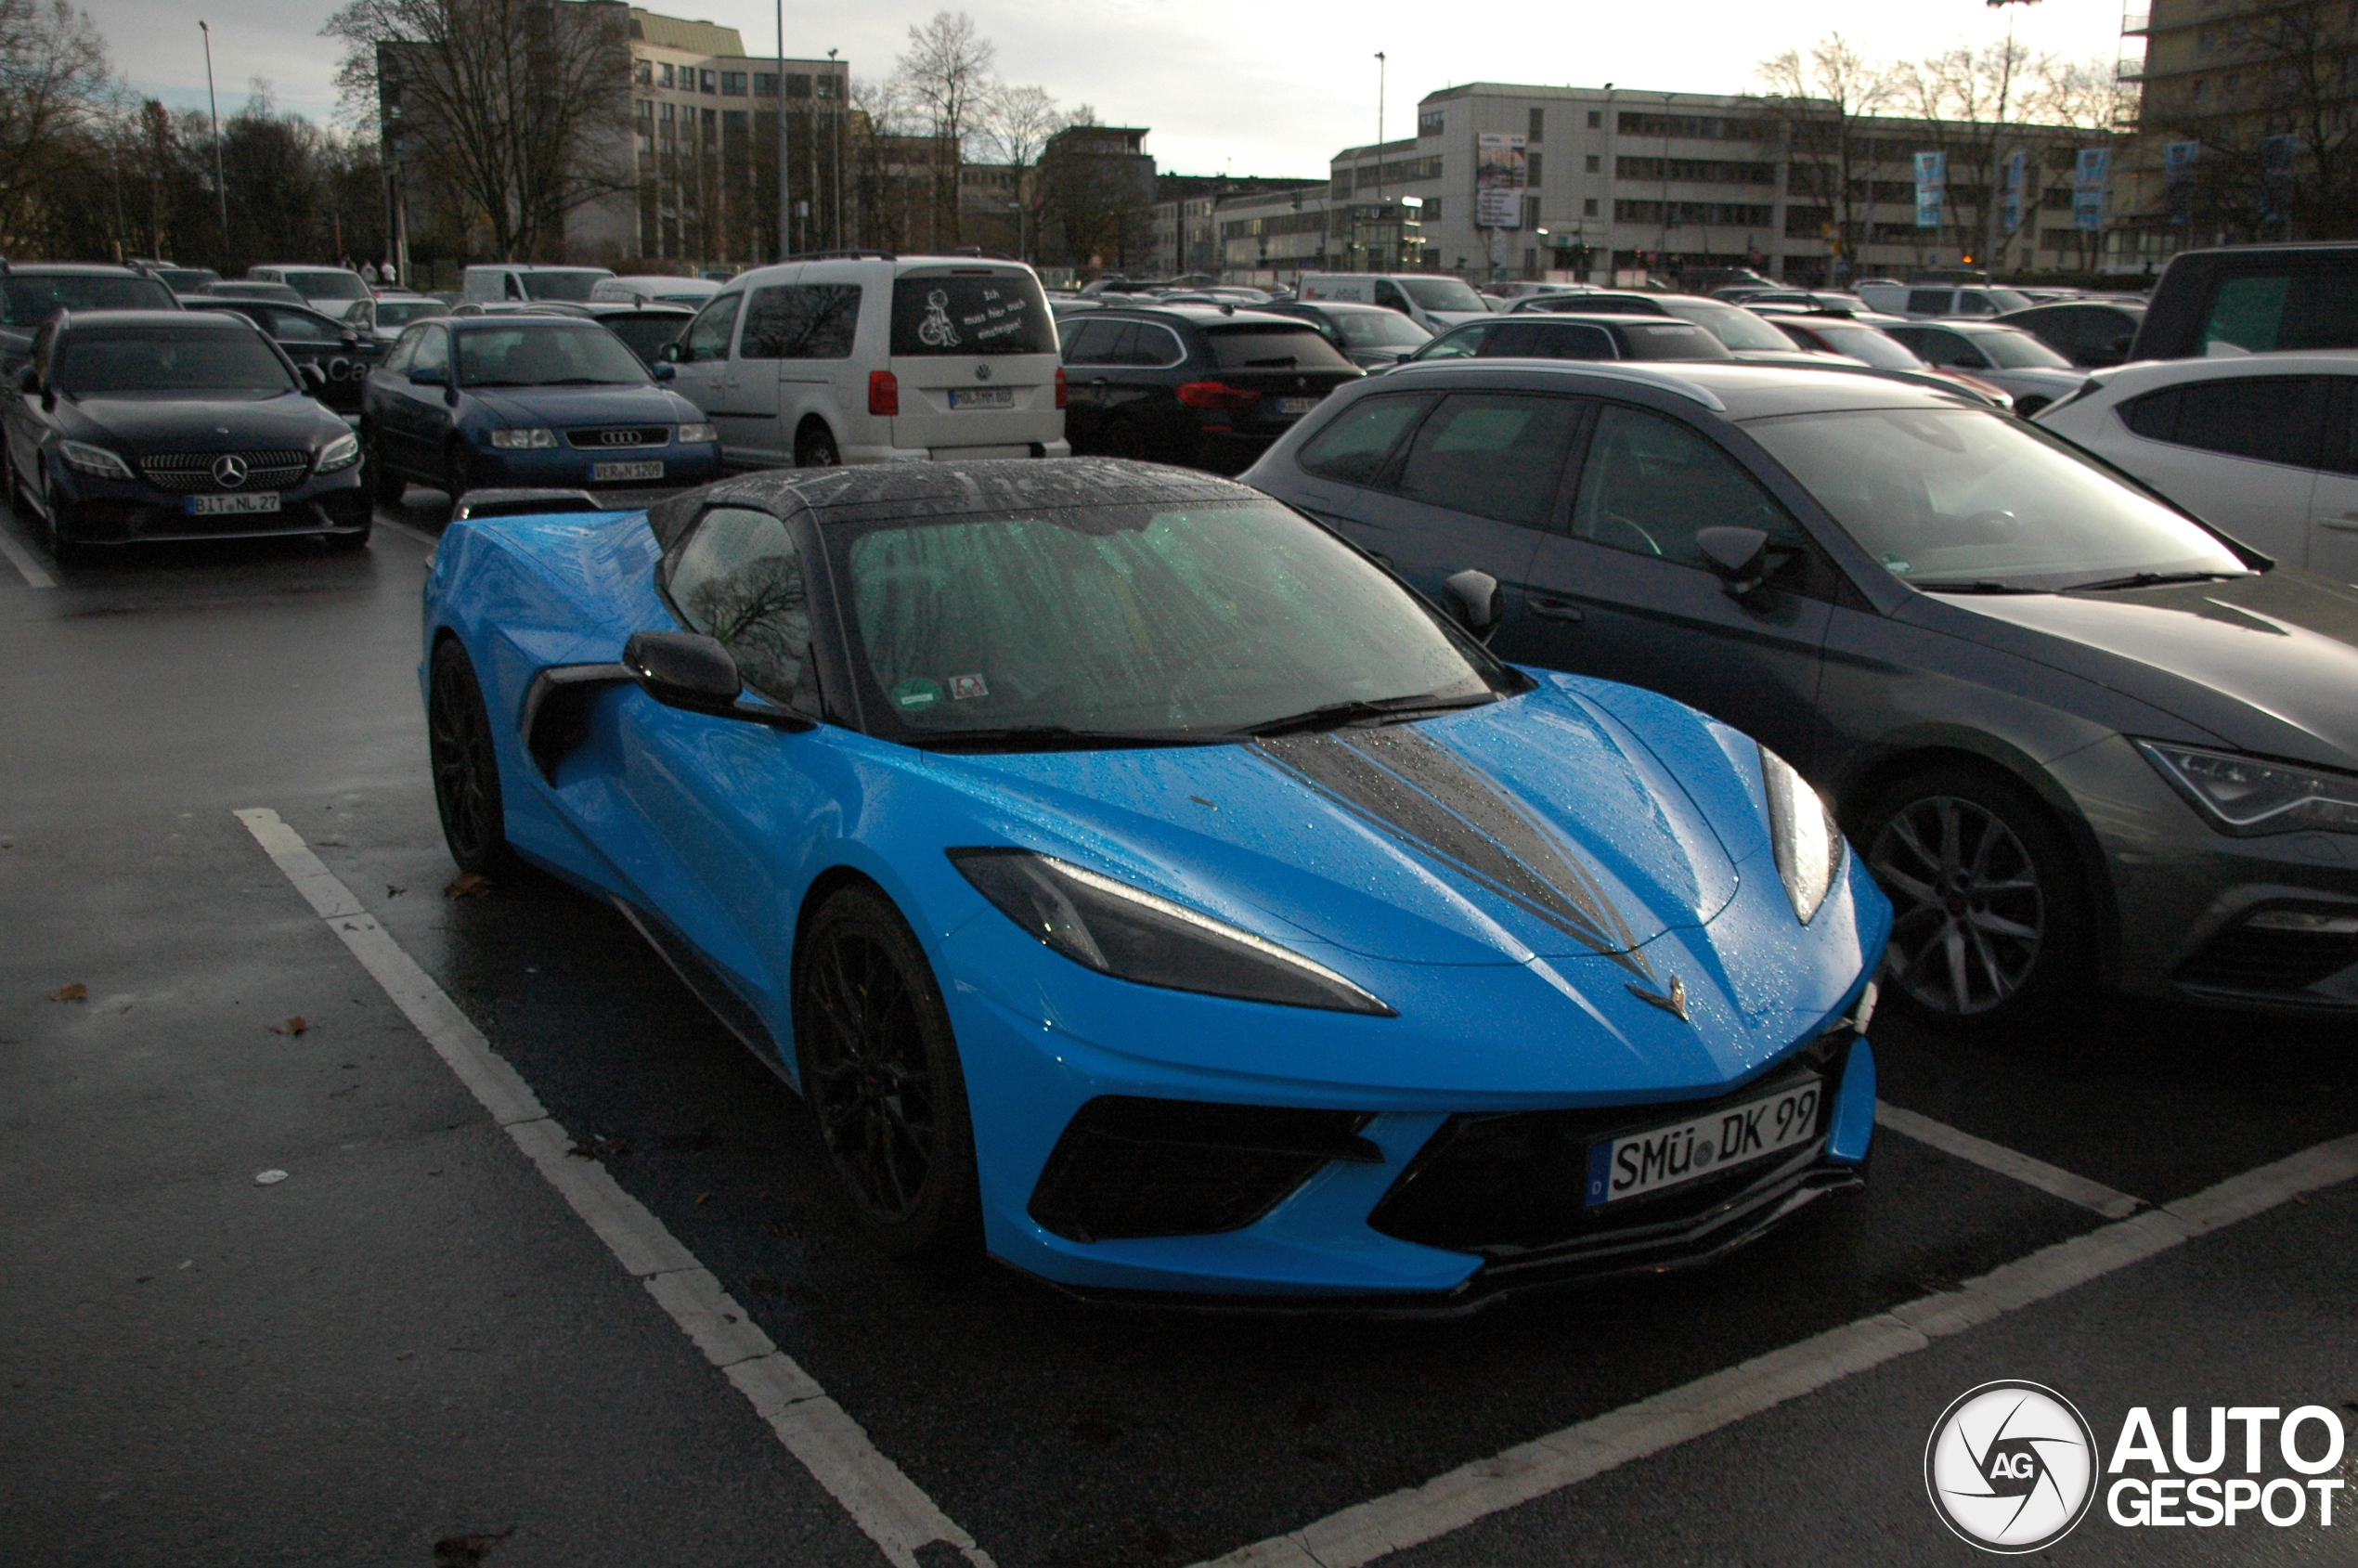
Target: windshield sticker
935,331
1898,565
917,691
965,686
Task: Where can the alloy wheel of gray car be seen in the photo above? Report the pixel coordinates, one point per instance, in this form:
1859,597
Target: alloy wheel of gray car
1985,912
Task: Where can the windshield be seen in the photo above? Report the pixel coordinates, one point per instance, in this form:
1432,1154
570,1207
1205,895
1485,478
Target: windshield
1673,340
2007,299
185,279
1963,497
567,356
1869,346
325,284
646,335
970,313
2011,348
1140,618
100,364
572,286
400,312
29,301
1737,329
1378,328
1442,294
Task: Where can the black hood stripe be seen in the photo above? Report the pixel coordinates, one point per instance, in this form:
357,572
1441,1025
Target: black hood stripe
1425,795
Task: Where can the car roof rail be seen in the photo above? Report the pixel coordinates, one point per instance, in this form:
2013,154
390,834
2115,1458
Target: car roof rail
1614,369
841,255
521,503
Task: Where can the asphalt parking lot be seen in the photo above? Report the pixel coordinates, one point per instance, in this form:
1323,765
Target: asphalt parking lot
412,1350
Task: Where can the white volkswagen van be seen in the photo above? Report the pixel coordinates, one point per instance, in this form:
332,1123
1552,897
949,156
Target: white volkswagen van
1433,301
877,358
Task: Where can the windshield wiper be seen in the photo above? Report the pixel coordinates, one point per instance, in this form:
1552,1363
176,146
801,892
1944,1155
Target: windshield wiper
1062,737
1977,585
1333,715
2153,579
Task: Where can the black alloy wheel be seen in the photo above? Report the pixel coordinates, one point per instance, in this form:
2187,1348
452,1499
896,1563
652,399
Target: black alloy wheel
63,551
880,1071
384,483
456,477
1990,921
466,765
815,447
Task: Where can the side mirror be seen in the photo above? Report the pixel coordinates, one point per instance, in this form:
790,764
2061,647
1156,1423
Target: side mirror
313,377
1739,555
665,370
1473,599
429,375
684,670
671,352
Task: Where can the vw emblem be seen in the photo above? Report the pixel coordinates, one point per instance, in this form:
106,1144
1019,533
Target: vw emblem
982,372
229,471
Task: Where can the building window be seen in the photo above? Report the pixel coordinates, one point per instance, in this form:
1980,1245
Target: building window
1539,126
732,84
711,127
1428,122
1594,164
797,85
765,84
667,74
829,86
711,82
642,71
670,112
733,121
1588,208
1532,160
1530,212
1595,120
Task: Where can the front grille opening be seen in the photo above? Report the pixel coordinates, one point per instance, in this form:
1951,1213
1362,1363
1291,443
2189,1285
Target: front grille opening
1128,1166
2279,950
189,473
1505,1183
621,438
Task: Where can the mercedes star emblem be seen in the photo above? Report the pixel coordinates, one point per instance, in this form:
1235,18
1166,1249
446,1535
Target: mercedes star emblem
229,471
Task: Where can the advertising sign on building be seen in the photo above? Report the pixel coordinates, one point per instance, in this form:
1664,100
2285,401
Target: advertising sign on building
1502,173
2012,212
1932,188
2088,187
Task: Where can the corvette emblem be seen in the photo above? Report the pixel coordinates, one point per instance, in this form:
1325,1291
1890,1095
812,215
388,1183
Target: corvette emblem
1674,1001
229,471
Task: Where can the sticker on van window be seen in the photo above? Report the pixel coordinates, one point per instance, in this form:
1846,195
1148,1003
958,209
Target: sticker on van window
935,331
916,692
965,686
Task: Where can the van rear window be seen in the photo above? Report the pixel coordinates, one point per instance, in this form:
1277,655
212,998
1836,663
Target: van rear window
969,314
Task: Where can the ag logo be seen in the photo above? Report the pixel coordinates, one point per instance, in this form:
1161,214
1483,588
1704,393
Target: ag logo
2011,1467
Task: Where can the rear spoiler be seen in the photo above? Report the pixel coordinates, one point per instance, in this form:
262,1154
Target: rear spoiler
526,503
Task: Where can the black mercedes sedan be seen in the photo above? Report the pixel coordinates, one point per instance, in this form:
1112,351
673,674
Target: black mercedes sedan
132,425
2082,739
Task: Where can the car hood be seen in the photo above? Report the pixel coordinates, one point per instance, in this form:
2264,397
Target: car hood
1538,825
563,406
2267,663
155,422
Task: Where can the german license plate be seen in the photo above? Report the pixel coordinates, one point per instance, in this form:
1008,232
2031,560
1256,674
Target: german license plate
217,506
1296,405
982,397
607,473
1665,1157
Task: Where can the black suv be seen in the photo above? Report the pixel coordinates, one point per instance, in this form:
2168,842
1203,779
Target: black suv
1204,386
31,292
128,426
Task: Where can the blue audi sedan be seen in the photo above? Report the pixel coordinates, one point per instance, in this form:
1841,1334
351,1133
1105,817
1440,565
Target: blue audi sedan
518,400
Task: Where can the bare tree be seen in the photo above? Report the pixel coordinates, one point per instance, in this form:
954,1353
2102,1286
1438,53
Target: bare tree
2086,96
1823,97
53,84
947,71
519,108
1975,94
1013,129
2283,159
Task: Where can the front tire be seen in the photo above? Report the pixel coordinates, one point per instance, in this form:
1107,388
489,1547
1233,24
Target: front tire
384,483
465,763
880,1071
64,551
456,480
1991,916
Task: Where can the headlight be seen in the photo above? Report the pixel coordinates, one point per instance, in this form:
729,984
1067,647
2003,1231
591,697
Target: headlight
2247,798
1131,935
1808,839
342,452
95,461
536,437
691,433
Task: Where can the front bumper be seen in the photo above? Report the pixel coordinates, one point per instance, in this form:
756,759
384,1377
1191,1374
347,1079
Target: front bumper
2204,916
855,455
110,512
570,468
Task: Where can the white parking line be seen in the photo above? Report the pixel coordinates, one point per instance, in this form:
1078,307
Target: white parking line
1532,1470
2006,1162
21,559
883,1501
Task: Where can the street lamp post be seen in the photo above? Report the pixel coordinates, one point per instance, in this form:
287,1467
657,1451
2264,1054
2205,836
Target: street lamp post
843,108
220,185
785,232
1990,191
1662,240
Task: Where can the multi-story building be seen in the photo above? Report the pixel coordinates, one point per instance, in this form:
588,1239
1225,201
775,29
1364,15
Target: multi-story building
1617,181
1272,238
1186,228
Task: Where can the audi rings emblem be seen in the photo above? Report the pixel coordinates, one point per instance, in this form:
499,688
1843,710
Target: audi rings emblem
229,471
619,438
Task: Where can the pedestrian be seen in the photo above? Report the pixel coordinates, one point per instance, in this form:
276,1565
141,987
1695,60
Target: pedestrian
369,273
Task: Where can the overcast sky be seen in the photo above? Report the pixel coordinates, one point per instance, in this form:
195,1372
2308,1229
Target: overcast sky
1243,86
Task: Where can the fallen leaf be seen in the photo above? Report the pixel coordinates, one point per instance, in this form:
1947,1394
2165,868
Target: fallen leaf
393,892
598,1148
471,885
465,1551
405,1356
703,1198
293,1026
76,993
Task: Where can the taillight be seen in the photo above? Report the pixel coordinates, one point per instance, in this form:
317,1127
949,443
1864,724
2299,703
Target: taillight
884,394
1216,395
1064,394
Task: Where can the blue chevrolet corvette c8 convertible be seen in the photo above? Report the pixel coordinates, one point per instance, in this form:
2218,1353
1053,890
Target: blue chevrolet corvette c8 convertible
1143,884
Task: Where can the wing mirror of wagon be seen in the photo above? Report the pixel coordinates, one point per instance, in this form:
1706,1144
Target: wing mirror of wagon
1739,555
1473,599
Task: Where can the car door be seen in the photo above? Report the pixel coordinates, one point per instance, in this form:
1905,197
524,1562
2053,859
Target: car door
416,415
2333,503
1091,352
2241,454
1472,489
703,362
746,413
728,806
811,330
1622,590
1352,451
